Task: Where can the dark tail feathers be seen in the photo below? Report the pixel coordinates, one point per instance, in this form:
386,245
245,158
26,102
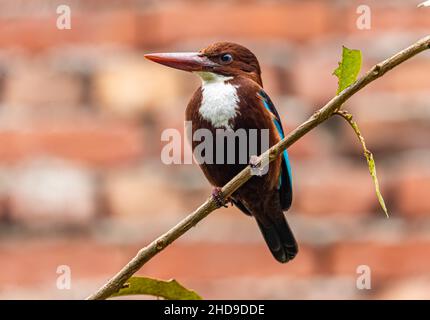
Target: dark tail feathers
279,238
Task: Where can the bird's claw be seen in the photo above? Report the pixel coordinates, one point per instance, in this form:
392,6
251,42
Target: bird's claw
219,198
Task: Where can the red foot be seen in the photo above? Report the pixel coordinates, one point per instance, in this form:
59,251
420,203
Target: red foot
219,198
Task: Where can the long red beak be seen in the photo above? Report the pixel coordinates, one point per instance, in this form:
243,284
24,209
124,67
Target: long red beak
187,61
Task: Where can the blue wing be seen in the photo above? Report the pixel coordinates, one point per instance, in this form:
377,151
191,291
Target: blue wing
285,178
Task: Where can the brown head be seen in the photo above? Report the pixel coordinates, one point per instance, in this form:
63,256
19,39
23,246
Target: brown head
221,58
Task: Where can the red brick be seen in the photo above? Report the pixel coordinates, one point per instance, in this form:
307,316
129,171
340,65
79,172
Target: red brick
33,84
387,16
413,197
220,261
175,22
413,288
84,259
387,261
410,77
334,189
38,7
313,80
96,143
136,194
314,145
389,136
87,258
389,122
4,206
312,77
41,194
130,86
40,32
277,287
184,21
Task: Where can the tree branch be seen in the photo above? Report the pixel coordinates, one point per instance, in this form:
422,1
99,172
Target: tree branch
148,252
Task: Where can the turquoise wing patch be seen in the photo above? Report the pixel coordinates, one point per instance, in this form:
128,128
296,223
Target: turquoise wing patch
285,178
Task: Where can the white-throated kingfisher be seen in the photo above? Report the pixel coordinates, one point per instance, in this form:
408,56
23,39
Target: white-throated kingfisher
232,97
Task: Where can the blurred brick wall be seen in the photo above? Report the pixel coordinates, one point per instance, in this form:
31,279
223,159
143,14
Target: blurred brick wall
82,184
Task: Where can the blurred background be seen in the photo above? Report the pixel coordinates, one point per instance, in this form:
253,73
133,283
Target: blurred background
82,183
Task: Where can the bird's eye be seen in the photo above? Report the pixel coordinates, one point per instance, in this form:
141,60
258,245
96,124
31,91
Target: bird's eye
226,58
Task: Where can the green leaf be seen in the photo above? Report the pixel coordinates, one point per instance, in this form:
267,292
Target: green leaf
170,290
348,68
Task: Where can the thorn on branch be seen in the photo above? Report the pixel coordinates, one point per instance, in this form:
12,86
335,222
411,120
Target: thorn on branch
377,69
125,286
316,114
160,245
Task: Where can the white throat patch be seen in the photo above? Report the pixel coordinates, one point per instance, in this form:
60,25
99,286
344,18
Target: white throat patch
220,101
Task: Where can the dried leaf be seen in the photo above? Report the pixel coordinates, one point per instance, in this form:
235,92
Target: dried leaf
369,158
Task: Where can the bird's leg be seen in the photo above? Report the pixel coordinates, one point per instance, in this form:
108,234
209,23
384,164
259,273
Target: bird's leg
219,198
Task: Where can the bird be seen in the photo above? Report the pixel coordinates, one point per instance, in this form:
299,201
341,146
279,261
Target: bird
231,97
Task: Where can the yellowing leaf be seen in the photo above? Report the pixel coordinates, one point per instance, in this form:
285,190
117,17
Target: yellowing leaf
170,290
369,157
348,68
372,170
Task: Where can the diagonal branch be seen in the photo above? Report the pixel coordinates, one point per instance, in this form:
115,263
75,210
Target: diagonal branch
148,252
